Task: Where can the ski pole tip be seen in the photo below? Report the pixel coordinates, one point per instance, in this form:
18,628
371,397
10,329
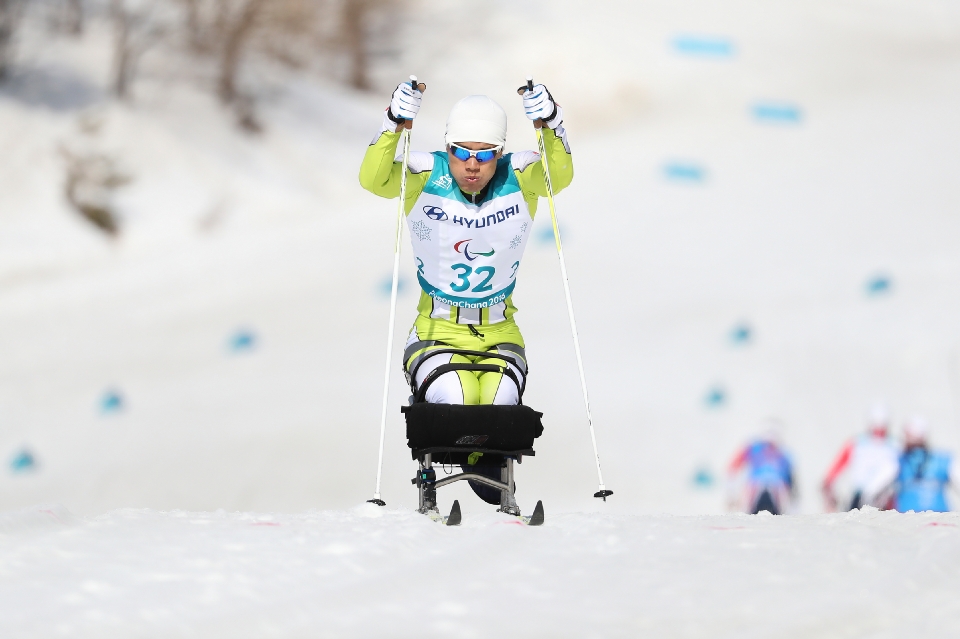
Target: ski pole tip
603,494
378,502
417,85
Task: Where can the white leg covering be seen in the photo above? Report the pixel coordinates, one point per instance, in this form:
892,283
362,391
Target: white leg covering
507,393
447,388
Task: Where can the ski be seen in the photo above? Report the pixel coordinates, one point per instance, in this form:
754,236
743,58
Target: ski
453,519
536,519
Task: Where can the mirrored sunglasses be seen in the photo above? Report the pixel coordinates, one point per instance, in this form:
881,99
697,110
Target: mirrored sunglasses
463,154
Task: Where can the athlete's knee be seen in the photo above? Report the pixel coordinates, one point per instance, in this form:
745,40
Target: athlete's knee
445,389
500,388
451,387
506,394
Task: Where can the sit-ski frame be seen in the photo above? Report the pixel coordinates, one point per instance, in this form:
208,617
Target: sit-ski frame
427,484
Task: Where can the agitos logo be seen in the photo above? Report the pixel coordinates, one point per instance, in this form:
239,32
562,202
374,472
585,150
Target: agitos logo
466,250
435,213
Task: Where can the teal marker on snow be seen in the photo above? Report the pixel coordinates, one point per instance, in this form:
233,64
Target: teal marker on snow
111,402
879,285
715,397
704,46
23,461
684,172
777,113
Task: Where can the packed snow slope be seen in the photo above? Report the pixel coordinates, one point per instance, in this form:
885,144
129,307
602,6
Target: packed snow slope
764,222
374,572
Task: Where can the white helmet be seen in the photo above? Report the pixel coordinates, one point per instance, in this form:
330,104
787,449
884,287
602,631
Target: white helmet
477,118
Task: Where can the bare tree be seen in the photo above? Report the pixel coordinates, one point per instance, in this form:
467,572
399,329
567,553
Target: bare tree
280,29
73,16
364,25
355,13
67,16
135,29
232,32
10,14
195,25
290,31
237,24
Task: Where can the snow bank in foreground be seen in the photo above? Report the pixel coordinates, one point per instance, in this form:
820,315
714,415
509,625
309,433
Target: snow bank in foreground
380,572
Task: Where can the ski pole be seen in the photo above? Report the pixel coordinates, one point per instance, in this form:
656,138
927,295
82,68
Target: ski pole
602,493
405,140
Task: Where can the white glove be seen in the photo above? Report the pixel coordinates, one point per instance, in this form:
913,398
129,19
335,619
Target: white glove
405,103
538,104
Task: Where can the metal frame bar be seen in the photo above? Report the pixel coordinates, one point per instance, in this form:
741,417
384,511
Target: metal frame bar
483,479
508,501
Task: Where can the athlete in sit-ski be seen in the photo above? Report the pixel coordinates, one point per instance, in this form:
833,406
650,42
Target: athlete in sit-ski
924,473
871,463
765,472
469,209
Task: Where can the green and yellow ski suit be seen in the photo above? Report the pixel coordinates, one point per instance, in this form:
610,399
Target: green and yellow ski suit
445,320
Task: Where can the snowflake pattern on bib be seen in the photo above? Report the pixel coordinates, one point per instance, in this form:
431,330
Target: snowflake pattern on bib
421,230
467,263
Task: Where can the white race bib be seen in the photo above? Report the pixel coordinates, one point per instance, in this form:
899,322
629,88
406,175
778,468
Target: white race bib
468,255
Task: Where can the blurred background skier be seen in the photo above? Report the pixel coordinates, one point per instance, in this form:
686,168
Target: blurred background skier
760,477
870,462
924,473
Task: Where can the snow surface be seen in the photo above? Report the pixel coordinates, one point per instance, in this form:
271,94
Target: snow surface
370,571
760,175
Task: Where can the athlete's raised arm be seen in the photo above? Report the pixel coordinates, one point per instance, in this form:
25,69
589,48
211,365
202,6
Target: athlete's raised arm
381,167
538,104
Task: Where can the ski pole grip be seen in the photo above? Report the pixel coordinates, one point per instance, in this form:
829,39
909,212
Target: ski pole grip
537,124
526,87
419,86
416,86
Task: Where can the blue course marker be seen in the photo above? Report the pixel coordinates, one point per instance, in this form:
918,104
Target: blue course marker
545,234
703,477
777,113
386,285
879,285
242,340
23,461
684,172
741,334
111,402
716,396
704,46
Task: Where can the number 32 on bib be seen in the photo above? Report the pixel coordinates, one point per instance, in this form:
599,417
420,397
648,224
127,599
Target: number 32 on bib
468,254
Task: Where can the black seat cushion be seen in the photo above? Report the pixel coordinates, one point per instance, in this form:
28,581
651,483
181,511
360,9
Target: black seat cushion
471,428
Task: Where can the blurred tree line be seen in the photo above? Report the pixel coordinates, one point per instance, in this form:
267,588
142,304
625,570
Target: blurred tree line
10,14
346,36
